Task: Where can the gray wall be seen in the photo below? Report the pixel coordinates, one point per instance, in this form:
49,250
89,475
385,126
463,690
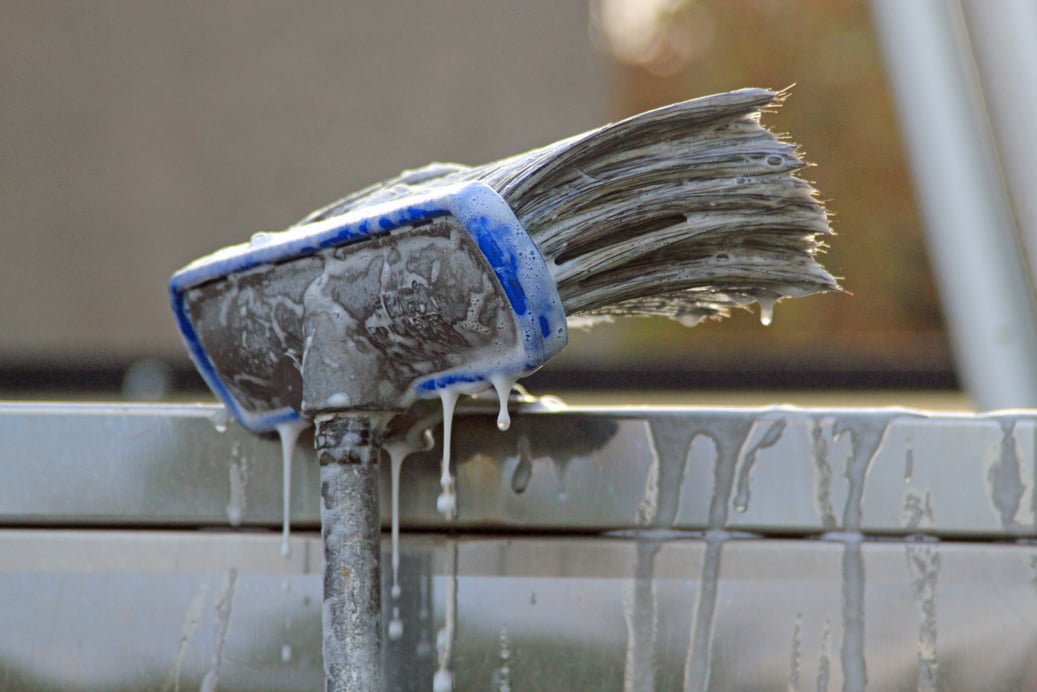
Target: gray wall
136,136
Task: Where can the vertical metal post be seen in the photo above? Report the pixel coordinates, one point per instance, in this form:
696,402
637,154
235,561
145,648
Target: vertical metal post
1006,60
976,253
348,447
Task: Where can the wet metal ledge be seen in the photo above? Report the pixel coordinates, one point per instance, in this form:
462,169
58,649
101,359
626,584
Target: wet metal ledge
770,471
150,610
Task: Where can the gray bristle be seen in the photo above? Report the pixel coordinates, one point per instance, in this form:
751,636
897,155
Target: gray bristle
683,211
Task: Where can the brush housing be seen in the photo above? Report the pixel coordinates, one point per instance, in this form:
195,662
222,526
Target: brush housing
371,309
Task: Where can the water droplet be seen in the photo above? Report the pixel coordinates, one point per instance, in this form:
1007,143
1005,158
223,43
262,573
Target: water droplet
766,309
446,503
504,670
503,387
220,419
443,681
395,627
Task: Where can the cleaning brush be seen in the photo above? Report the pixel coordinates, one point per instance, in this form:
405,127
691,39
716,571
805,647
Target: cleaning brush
449,279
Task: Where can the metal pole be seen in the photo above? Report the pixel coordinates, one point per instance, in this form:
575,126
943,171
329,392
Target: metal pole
348,447
971,228
1006,59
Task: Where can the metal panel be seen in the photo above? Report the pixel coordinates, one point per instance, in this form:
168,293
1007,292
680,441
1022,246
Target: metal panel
82,464
179,610
772,471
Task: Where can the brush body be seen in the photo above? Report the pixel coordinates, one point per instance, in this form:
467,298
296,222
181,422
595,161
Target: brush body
371,309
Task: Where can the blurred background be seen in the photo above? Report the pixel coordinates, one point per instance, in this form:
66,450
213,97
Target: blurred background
135,137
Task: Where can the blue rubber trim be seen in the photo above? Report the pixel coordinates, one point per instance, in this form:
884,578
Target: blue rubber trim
260,422
511,253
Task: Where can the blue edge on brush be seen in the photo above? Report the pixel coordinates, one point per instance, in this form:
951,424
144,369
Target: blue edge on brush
508,249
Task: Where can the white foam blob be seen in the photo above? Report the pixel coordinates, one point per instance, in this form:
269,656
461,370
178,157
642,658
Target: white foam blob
503,385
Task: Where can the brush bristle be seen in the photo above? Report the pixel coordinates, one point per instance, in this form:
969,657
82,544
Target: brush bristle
683,211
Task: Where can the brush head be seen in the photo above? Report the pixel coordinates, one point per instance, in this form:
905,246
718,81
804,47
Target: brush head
685,211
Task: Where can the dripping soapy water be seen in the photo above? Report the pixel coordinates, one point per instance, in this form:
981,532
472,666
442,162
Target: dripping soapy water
396,456
866,437
923,564
238,479
640,610
766,303
443,680
729,441
503,674
797,645
446,503
767,440
289,433
1004,476
503,385
824,661
220,419
399,450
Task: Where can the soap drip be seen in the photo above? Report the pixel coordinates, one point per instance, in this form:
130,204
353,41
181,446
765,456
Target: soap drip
399,449
396,458
443,680
503,386
766,303
446,503
289,434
